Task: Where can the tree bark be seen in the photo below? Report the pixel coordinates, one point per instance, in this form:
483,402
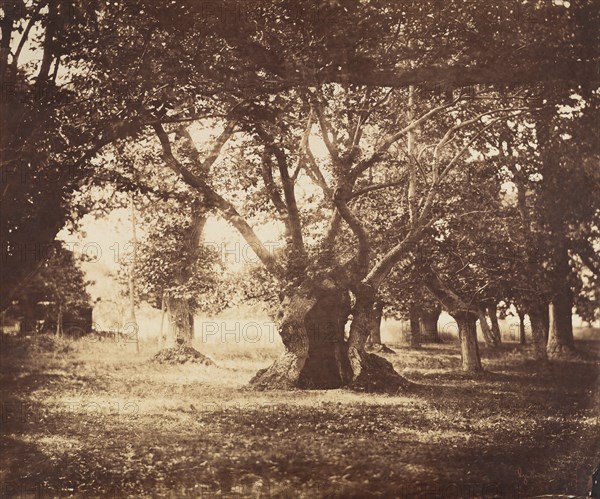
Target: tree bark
375,335
316,356
522,338
59,322
428,323
181,322
545,318
414,339
560,342
312,330
374,343
537,314
493,313
490,341
369,372
469,348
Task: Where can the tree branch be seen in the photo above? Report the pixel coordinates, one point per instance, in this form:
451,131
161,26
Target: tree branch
213,199
391,139
364,247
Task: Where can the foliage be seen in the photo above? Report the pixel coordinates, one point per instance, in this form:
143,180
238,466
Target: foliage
60,282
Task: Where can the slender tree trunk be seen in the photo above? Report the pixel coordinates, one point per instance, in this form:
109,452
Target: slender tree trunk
131,280
59,321
375,336
522,339
537,314
163,311
467,331
560,342
374,343
490,341
414,313
428,324
493,313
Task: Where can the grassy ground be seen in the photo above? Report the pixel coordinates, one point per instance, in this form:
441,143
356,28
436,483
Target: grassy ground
95,420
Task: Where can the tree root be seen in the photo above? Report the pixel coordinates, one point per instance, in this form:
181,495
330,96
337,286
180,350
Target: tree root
378,376
283,374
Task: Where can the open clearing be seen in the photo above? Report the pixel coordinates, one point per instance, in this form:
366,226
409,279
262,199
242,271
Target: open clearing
95,420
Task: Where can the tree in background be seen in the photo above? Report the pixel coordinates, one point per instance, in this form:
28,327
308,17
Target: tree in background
279,76
59,288
176,272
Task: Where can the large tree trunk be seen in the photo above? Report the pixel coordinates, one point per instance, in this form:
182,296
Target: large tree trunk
469,348
490,341
493,313
537,314
369,372
312,331
560,336
180,319
428,324
414,333
316,356
560,311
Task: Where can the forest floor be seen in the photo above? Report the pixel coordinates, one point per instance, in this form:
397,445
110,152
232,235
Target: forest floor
98,420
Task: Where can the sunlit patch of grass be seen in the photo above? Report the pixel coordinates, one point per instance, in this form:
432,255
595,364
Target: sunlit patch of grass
103,420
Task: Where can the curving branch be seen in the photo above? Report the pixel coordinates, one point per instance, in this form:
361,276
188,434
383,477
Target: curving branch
32,20
214,200
364,246
377,187
272,190
294,224
393,138
330,143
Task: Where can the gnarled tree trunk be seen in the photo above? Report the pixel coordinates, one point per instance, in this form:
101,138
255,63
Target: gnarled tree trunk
316,355
469,348
312,330
369,371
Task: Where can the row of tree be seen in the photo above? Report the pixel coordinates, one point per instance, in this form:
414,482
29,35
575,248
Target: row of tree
420,153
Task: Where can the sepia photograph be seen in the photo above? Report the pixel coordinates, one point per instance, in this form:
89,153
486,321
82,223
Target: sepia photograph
300,249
